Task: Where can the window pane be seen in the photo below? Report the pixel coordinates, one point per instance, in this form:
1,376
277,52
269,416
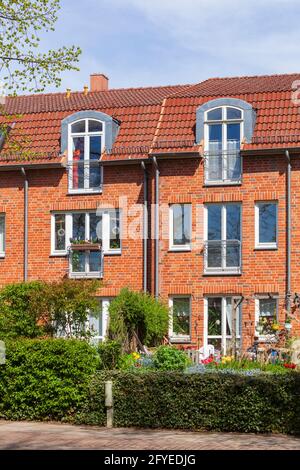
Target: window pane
214,254
95,126
79,226
94,168
181,224
78,164
78,261
215,137
96,321
214,214
229,318
215,115
95,147
94,261
233,136
181,316
214,316
233,113
60,232
2,233
267,315
233,222
95,228
114,230
78,127
267,223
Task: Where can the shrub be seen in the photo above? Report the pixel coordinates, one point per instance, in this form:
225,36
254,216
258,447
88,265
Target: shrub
18,313
214,401
135,314
46,379
110,353
169,358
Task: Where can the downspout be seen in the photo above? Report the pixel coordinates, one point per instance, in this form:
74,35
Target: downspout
156,225
288,231
25,224
145,228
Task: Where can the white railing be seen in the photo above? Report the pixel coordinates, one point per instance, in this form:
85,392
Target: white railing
222,256
222,166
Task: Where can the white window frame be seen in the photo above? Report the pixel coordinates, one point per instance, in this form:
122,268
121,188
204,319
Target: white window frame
86,136
265,246
176,338
105,301
172,246
229,270
2,248
224,122
69,230
264,338
223,336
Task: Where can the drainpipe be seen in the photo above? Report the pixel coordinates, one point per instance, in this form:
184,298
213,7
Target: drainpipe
145,227
25,224
288,231
156,225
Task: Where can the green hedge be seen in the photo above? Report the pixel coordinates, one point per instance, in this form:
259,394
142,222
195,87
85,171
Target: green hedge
45,379
215,402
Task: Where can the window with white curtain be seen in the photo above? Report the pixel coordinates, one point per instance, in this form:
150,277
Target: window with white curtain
98,321
218,323
2,234
180,226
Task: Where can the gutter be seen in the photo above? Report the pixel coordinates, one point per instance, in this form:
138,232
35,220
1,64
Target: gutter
156,226
288,231
145,228
25,224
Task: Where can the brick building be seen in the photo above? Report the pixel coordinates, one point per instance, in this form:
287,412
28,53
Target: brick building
189,192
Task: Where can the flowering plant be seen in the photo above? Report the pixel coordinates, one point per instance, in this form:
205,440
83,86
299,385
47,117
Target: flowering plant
290,365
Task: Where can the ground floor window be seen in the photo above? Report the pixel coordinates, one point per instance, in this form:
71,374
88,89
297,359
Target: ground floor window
266,313
98,321
218,323
180,318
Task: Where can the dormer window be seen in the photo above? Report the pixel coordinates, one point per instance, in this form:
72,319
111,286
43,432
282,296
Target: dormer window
222,136
86,142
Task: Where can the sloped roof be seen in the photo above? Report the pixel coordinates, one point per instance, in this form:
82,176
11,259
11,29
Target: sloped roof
156,119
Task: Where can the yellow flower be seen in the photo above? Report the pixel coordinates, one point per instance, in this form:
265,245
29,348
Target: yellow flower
136,355
275,327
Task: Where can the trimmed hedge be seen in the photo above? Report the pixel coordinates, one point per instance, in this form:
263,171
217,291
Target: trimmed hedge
46,379
215,402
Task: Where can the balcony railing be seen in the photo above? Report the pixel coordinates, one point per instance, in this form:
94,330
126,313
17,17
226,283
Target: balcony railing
84,175
222,166
222,256
86,260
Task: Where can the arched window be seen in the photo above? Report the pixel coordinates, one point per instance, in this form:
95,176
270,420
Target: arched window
85,145
223,134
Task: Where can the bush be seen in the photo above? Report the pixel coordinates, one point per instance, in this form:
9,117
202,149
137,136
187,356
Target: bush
46,379
18,315
169,358
214,402
135,314
110,353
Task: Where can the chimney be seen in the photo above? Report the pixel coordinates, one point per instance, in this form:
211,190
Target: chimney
99,82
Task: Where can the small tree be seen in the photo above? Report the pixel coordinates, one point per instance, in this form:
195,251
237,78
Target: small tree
137,319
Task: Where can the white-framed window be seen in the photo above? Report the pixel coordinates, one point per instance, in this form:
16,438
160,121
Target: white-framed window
180,217
222,235
180,318
103,227
223,133
98,324
266,313
2,235
218,323
266,225
85,145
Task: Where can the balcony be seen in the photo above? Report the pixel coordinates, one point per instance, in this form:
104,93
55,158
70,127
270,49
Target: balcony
86,261
222,257
222,166
84,176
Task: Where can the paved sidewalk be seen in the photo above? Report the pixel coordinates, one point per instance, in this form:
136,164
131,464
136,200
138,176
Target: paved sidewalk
32,435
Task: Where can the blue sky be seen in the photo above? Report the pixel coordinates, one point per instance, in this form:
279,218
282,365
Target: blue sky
160,42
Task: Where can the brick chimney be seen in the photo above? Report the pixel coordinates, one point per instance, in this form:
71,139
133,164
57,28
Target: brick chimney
98,82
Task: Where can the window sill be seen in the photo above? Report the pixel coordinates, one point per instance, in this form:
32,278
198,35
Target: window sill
57,255
221,272
180,339
97,275
180,248
222,183
83,191
266,247
2,255
64,254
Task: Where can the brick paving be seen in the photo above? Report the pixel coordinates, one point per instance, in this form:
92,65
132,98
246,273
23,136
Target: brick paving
31,435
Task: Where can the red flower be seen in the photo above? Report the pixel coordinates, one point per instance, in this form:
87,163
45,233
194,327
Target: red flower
289,366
